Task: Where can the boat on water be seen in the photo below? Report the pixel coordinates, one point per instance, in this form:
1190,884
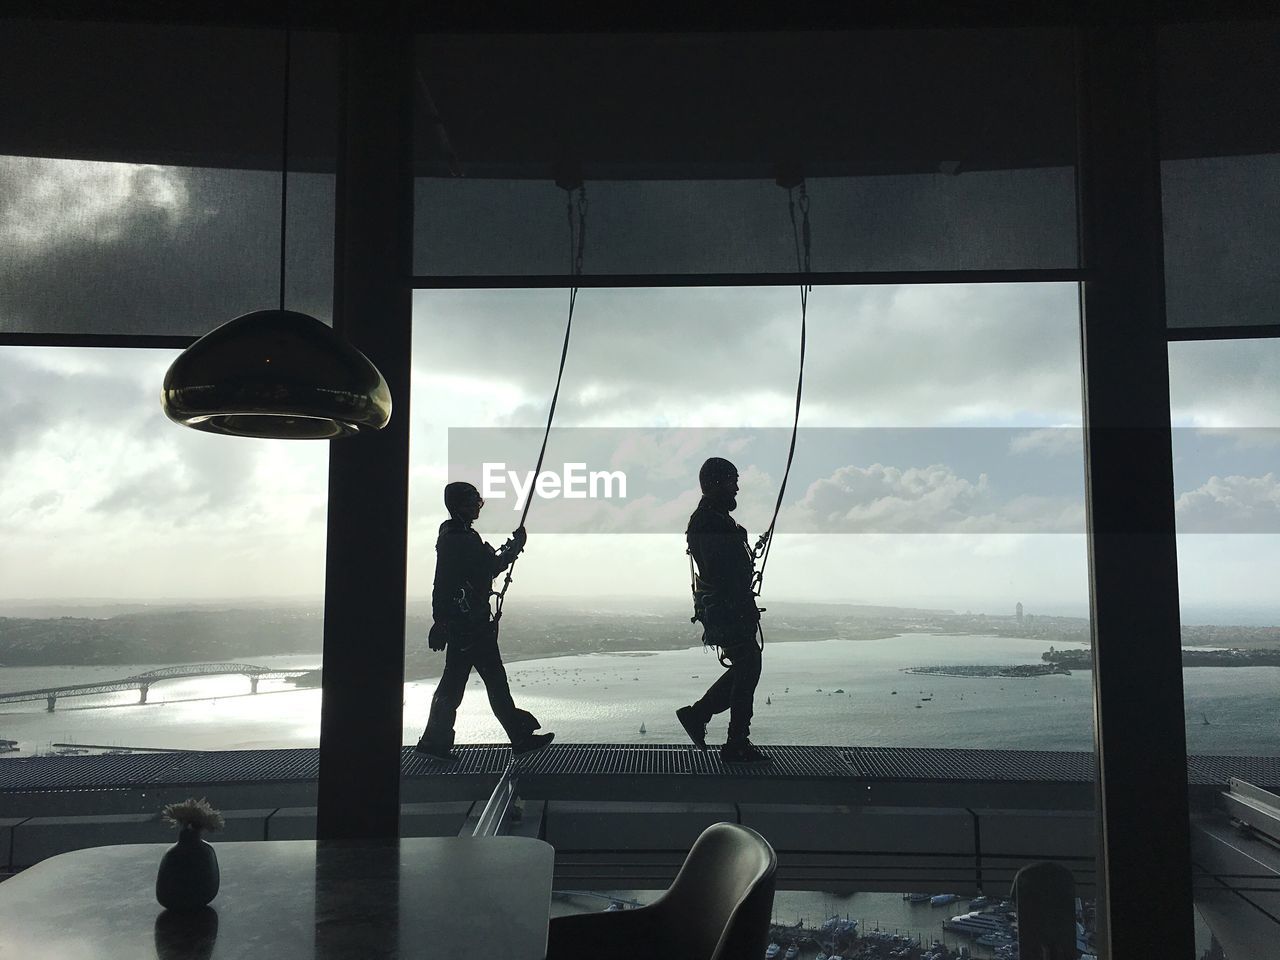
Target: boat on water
642,729
8,746
792,952
771,951
977,924
916,897
839,926
996,939
980,901
942,899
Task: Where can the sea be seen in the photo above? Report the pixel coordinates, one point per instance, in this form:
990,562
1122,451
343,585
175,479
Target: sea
826,692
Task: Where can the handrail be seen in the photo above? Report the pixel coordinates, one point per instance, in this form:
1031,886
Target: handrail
498,808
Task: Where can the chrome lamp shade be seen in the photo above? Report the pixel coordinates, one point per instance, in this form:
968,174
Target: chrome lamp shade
278,374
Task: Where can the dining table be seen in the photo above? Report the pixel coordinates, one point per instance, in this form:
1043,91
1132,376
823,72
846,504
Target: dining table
288,900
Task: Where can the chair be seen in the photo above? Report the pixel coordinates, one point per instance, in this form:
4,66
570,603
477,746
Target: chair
718,908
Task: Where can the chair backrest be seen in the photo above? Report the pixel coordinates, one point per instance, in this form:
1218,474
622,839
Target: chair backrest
722,899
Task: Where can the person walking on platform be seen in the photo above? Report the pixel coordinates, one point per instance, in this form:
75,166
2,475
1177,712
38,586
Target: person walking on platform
726,605
463,626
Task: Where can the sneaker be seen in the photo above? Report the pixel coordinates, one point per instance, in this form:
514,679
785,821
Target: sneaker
535,741
696,730
435,752
742,751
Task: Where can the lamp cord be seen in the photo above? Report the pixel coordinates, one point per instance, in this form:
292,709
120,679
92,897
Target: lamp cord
284,156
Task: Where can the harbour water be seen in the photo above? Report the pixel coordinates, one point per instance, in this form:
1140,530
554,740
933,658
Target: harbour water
822,692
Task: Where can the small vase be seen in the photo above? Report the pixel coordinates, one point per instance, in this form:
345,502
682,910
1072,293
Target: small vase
188,877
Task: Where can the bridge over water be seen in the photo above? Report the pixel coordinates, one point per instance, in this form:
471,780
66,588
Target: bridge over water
143,682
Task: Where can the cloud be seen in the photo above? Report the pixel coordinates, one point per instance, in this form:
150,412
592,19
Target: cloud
101,495
878,356
885,498
1050,442
1231,504
1225,383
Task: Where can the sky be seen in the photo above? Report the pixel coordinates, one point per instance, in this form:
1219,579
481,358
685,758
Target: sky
940,436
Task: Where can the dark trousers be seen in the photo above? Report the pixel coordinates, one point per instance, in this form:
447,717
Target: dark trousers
460,656
735,690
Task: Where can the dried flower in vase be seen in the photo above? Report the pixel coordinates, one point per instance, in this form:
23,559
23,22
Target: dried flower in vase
192,813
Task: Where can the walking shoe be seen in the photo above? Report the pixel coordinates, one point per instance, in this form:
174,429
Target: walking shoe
742,751
435,752
535,741
697,731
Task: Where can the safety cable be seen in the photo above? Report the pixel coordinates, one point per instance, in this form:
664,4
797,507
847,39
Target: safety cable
801,236
577,241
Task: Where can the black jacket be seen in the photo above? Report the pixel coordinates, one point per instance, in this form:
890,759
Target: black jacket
465,568
725,563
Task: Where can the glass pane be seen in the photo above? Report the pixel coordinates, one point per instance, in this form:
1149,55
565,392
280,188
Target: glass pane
1224,444
927,590
938,483
176,568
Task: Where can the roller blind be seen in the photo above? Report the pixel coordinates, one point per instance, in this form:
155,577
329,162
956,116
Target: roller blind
139,176
1220,172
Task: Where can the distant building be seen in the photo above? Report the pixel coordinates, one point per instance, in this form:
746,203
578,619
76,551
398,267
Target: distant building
1017,612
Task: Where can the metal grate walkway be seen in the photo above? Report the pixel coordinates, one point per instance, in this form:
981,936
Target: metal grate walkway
882,764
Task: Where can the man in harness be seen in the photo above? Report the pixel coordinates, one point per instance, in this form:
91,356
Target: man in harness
465,629
726,605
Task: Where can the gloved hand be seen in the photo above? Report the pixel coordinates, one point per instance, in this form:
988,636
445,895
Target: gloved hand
437,636
519,537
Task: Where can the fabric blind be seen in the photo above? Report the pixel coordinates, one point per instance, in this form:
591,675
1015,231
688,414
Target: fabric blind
139,176
1220,173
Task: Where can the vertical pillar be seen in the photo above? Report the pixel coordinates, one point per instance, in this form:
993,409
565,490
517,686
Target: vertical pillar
1138,708
363,679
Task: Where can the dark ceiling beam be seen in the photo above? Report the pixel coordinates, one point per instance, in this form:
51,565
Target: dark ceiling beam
579,15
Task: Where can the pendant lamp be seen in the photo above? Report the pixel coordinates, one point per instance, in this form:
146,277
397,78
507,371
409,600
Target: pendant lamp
277,373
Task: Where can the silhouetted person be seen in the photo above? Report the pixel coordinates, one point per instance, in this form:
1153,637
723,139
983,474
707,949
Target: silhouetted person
723,601
464,628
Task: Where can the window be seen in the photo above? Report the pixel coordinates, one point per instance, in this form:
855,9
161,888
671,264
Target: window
130,545
937,490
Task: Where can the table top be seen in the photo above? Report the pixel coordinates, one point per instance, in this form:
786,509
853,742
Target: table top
285,899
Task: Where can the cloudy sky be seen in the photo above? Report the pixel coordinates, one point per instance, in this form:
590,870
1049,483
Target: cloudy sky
942,434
